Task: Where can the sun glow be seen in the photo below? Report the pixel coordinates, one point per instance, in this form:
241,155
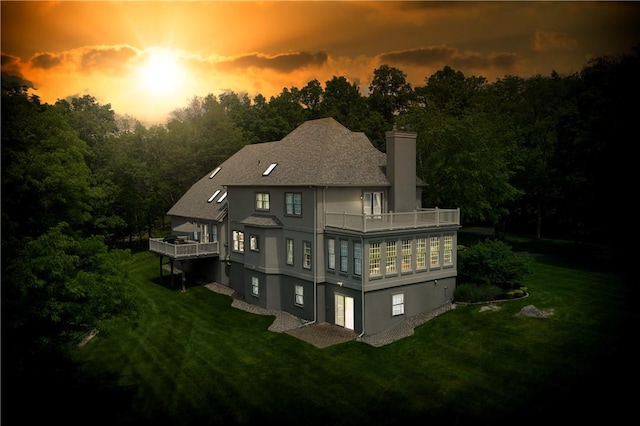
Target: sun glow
161,72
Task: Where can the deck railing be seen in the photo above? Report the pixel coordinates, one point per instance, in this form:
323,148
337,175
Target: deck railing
183,249
423,218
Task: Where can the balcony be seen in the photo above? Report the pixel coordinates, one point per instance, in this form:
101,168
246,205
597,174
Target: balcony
183,249
419,219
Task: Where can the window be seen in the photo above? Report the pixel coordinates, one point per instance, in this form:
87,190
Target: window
269,169
397,304
374,259
215,194
448,250
421,253
344,256
238,241
293,203
306,254
434,251
391,257
254,243
215,172
331,253
255,287
213,233
299,295
406,255
357,259
289,251
372,203
262,201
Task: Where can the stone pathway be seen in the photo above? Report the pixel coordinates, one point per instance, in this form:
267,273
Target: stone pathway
324,334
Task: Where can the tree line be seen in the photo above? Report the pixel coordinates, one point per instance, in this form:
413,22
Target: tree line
542,155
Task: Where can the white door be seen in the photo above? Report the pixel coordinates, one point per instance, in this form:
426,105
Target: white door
345,311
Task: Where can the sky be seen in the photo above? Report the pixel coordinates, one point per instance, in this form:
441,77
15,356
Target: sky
147,59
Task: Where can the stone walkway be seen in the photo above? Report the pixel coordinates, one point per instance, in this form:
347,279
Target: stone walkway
323,335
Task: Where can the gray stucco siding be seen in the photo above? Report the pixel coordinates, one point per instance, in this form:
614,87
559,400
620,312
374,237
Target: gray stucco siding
418,298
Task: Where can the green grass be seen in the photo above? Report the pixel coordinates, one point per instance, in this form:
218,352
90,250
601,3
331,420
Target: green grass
192,359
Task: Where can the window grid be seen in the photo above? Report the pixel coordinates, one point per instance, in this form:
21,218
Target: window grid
262,201
293,203
448,250
357,259
299,295
254,243
434,254
255,286
397,304
391,257
374,259
213,233
421,253
406,255
306,252
238,241
344,256
331,258
289,251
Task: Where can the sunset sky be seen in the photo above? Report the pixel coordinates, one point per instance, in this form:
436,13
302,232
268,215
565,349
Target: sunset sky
149,58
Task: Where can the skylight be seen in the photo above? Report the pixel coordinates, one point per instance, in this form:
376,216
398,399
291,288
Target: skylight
215,172
269,169
222,197
215,194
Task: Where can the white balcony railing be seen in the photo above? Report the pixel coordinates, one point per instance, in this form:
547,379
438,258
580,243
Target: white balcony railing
183,249
423,218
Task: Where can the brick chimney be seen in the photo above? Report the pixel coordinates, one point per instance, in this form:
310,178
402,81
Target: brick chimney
401,170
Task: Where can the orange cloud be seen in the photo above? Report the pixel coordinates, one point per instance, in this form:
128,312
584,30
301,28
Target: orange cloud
288,62
546,40
439,56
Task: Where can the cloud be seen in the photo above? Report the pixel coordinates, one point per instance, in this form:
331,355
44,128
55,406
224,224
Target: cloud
10,64
46,60
546,40
13,80
440,56
108,59
285,63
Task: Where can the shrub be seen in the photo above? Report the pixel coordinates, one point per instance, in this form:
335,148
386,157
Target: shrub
471,293
492,262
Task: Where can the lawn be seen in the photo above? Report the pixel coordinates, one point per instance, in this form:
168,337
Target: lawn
192,359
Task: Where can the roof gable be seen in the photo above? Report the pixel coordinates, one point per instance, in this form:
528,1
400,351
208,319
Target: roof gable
317,153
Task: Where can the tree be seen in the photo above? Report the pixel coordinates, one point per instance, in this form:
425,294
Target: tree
390,94
311,97
45,178
463,153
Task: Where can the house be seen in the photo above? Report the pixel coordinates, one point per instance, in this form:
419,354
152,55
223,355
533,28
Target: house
322,225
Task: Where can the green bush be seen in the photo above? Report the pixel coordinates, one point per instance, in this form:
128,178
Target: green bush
471,293
492,262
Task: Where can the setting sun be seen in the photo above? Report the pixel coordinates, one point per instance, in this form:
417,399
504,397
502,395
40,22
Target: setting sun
161,72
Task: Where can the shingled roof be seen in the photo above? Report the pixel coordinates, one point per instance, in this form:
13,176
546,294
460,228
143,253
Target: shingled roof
317,153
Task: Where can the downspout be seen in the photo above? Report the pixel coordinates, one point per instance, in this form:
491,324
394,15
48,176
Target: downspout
229,242
362,283
315,255
315,259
